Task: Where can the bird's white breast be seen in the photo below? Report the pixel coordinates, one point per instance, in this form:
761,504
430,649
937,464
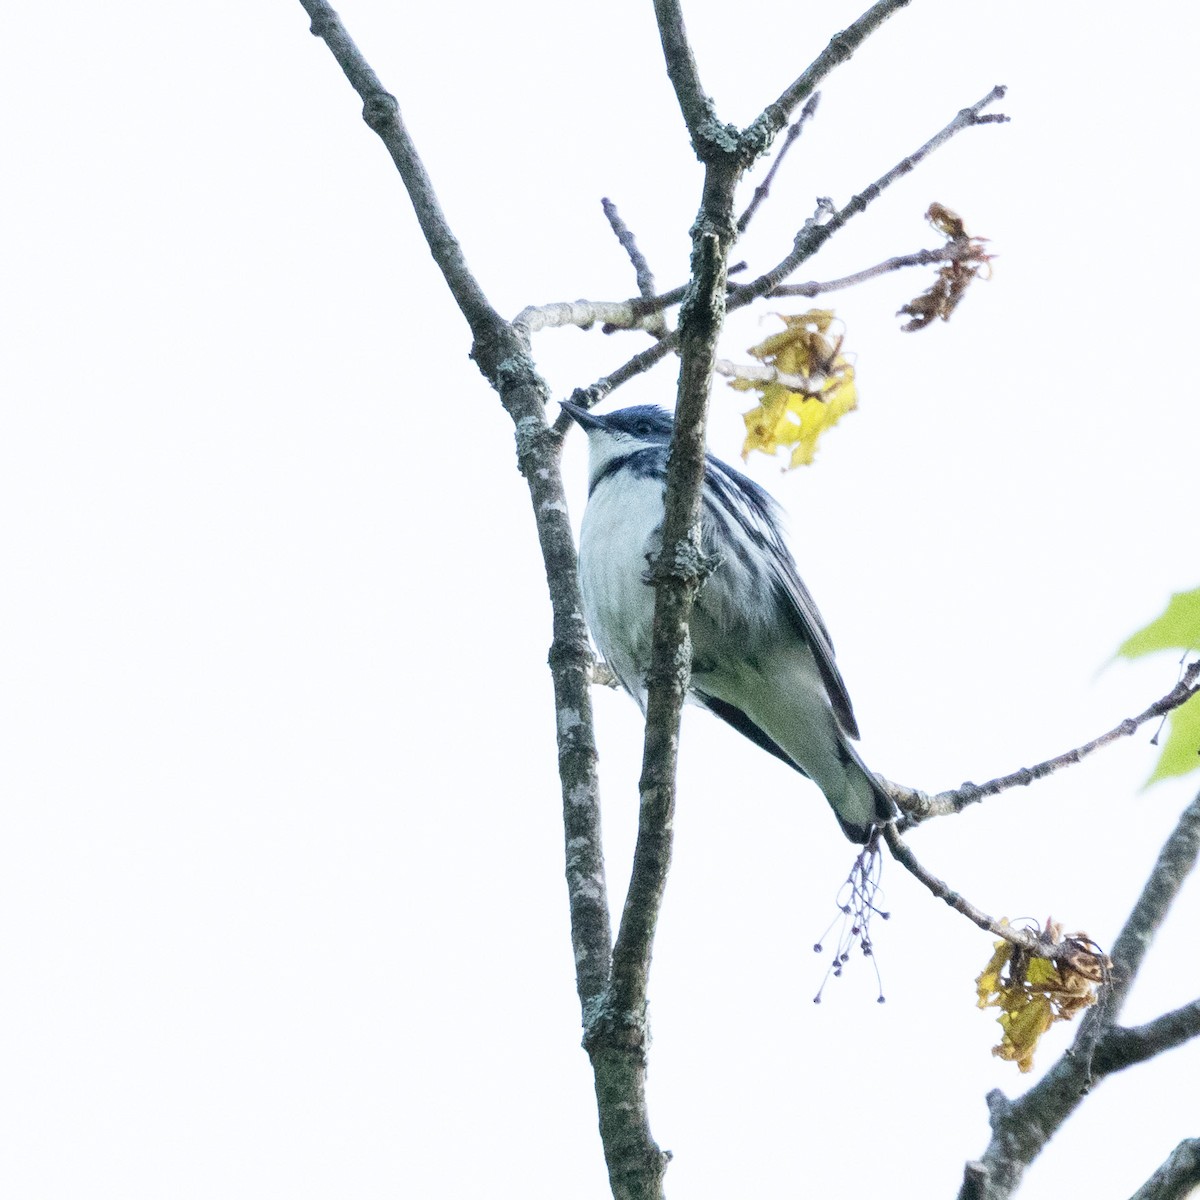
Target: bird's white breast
622,524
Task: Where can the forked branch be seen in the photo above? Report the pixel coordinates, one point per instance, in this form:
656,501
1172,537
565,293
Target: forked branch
1021,1128
808,241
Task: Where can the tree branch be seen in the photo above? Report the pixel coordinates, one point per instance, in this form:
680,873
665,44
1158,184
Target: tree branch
807,242
644,312
382,114
501,353
919,806
641,268
1021,1128
953,252
1175,862
1125,1046
676,574
684,75
815,234
590,396
1018,937
841,46
1177,1178
764,189
583,314
612,981
763,373
679,567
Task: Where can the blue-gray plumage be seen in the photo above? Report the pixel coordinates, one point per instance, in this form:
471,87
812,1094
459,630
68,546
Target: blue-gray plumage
761,655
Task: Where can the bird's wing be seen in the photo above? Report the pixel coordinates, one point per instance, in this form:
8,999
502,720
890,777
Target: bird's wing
733,716
758,515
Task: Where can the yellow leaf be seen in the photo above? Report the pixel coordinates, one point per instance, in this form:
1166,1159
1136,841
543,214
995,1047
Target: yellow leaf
1022,1029
988,983
1032,992
813,390
1041,973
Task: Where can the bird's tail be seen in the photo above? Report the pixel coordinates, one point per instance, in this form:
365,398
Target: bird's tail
859,803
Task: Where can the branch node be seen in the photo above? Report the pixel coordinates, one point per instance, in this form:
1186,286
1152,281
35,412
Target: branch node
999,1106
380,111
590,396
716,139
763,128
625,1031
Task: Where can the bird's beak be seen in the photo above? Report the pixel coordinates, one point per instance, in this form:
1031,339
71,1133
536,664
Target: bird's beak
584,419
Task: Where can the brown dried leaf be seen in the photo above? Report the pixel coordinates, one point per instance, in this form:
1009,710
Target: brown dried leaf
954,277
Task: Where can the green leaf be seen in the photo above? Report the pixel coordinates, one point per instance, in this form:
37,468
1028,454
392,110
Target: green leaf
1177,629
1181,753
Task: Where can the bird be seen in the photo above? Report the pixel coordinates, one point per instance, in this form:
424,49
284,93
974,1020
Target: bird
762,658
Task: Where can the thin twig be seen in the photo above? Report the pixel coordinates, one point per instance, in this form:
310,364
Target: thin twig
951,252
638,312
654,322
758,373
640,306
807,242
764,189
583,314
919,807
641,268
642,312
841,46
1018,937
637,365
816,233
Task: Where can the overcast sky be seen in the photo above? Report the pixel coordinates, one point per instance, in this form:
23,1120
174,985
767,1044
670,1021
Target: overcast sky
282,910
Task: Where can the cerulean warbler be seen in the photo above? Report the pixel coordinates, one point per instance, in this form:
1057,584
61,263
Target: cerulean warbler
761,655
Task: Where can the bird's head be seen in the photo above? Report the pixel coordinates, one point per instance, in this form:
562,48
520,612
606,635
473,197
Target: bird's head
621,433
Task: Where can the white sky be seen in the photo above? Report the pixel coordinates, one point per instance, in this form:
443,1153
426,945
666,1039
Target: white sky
281,900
